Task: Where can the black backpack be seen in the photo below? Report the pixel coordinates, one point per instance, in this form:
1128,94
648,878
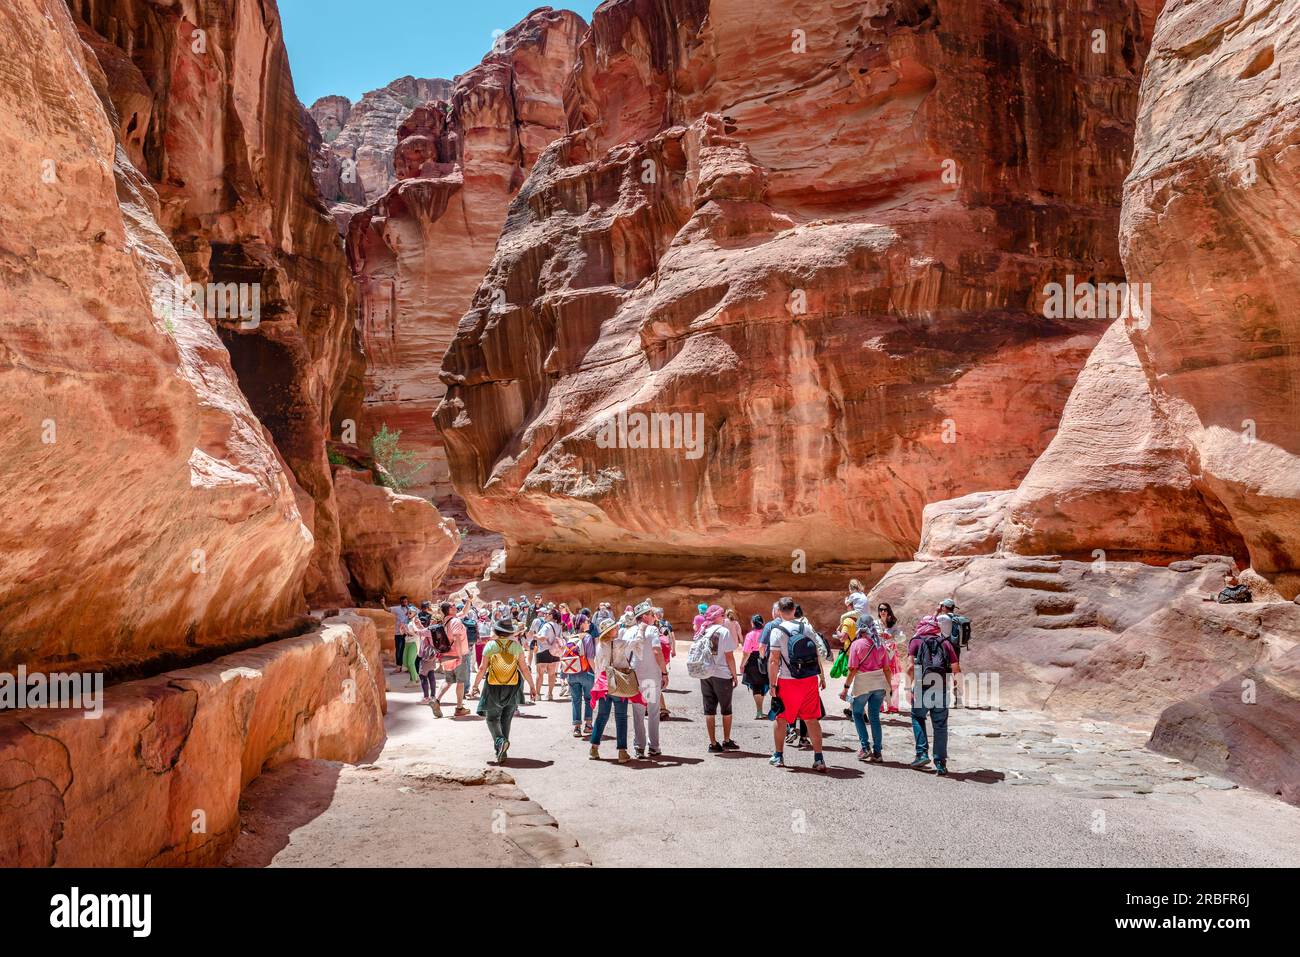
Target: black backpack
801,652
931,658
441,643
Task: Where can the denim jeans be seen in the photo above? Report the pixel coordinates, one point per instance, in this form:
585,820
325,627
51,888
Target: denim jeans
620,720
580,686
871,701
938,718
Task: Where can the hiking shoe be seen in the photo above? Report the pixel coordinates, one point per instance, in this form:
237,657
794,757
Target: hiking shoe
875,757
730,745
715,748
940,768
594,753
460,712
819,765
623,756
920,762
777,760
437,709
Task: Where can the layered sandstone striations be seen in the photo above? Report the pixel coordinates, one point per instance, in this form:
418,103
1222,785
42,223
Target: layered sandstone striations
155,779
353,163
145,510
1182,435
420,250
205,109
822,236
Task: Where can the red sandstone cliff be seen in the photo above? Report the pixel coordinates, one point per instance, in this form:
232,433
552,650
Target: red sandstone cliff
420,250
824,231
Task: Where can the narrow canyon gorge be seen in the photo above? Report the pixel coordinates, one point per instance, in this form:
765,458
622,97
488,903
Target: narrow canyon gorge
709,301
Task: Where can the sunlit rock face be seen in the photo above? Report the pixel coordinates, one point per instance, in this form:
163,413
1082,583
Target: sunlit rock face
353,162
1183,434
145,510
206,111
420,250
818,237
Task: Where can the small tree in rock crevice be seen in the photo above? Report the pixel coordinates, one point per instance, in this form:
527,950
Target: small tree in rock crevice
395,468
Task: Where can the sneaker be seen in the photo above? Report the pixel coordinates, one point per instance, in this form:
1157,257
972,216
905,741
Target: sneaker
623,756
715,748
586,729
777,760
759,716
577,730
501,752
640,754
792,737
437,709
730,745
594,753
920,762
654,752
863,754
875,757
940,768
819,765
460,712
425,700
804,744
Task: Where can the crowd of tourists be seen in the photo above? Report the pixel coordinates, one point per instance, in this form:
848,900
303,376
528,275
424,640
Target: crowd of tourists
607,664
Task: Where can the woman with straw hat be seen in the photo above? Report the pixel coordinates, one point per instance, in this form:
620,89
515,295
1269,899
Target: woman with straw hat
506,672
616,685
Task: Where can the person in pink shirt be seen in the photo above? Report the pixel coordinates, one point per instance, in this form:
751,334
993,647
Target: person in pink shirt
753,667
455,663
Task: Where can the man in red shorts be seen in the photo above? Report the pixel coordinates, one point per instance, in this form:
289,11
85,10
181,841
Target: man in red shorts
795,674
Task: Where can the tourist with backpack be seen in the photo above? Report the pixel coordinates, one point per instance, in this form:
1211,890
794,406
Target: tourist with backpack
549,639
651,672
931,659
504,670
710,660
454,660
796,678
579,664
469,618
754,670
866,684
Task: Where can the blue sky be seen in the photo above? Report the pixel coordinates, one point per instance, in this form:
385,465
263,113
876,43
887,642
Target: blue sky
349,47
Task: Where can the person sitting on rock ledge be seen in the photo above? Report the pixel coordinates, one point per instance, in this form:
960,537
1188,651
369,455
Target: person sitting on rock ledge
1233,593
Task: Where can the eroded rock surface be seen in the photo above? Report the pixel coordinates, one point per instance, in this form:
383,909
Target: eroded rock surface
420,250
145,509
168,752
828,264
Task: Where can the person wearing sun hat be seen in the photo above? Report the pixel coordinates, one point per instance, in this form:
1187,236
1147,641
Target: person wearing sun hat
505,670
616,686
651,670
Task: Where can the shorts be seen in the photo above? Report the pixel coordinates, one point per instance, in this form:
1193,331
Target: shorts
801,697
717,695
546,658
460,674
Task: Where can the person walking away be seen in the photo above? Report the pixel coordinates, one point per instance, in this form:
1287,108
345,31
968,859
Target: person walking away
581,656
469,618
738,637
796,678
651,672
616,685
500,699
550,646
866,685
719,681
455,663
931,658
755,665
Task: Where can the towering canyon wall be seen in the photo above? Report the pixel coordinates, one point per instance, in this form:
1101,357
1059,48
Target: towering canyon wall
145,506
420,250
206,111
353,162
823,234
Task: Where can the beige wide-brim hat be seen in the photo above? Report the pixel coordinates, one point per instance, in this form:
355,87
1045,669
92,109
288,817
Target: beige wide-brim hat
605,630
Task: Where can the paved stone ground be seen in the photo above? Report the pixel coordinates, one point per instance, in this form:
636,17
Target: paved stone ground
1025,791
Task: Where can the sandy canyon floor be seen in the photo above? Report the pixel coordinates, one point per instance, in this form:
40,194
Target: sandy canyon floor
1025,791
